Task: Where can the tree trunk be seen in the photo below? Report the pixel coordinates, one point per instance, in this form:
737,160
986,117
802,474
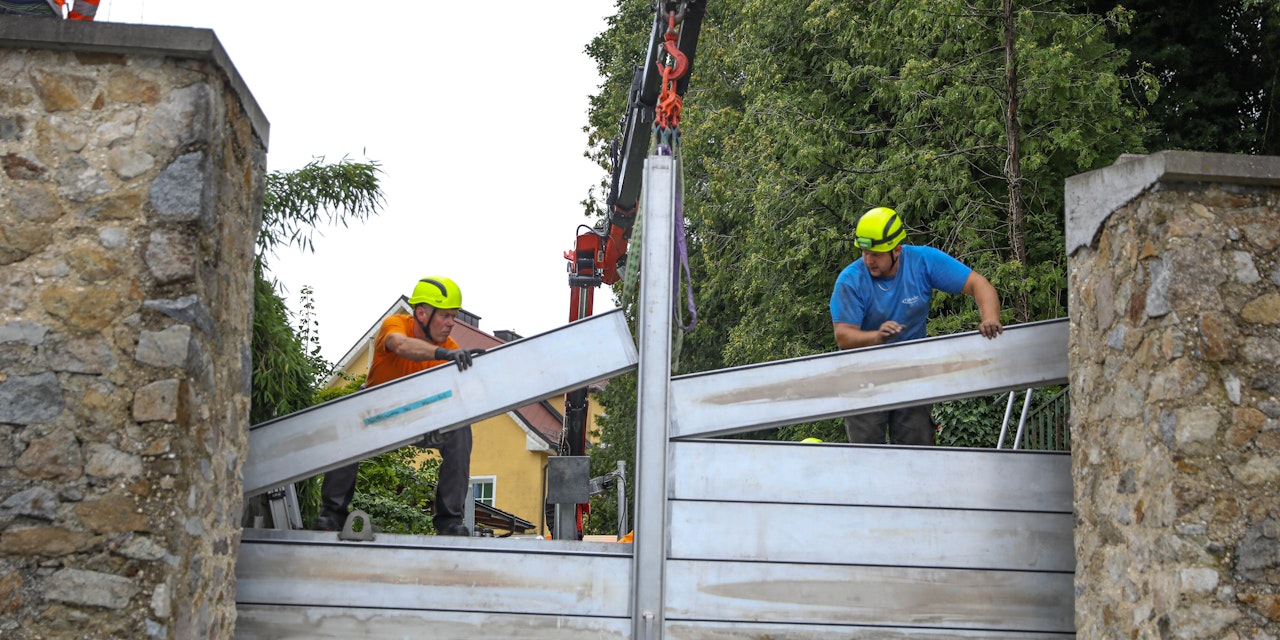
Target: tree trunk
1013,166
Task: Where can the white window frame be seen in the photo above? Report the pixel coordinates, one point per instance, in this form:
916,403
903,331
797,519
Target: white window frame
492,481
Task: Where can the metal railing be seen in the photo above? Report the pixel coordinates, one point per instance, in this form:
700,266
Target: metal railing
1046,427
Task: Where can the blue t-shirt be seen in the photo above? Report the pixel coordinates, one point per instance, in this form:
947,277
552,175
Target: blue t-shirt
866,302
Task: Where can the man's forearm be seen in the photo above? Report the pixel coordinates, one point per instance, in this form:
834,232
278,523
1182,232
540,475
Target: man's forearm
988,303
983,293
411,348
850,337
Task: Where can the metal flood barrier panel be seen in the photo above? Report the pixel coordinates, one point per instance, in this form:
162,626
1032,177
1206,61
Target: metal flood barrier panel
734,540
794,540
829,385
759,539
766,540
304,584
397,413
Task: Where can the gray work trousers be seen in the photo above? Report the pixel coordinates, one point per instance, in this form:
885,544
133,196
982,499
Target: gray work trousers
449,507
908,425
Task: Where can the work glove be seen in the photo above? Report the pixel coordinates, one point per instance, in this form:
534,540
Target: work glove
462,357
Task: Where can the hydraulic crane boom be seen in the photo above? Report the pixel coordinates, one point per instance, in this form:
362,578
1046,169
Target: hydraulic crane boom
599,254
628,152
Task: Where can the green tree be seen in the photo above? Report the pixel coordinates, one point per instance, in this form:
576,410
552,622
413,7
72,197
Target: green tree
284,377
297,202
1218,64
287,367
396,491
615,432
907,104
800,116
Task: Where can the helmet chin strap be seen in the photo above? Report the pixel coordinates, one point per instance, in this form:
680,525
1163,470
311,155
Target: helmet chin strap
426,332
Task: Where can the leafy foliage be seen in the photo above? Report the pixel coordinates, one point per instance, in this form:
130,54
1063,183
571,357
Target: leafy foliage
836,122
352,385
283,375
972,422
801,116
826,431
396,491
287,365
616,435
297,202
1218,65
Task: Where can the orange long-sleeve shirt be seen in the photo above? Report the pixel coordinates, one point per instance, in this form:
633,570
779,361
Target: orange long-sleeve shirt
388,366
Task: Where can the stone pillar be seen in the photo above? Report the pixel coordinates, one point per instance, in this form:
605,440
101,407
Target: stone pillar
133,173
1175,372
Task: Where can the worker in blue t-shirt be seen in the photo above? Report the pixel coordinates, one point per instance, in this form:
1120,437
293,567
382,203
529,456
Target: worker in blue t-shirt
884,297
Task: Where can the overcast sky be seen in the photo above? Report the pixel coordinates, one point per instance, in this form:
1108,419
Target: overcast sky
474,112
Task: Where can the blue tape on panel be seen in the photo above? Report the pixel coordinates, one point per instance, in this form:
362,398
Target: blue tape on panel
408,407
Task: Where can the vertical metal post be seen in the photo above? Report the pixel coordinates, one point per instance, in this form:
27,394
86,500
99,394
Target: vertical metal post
1026,405
469,508
292,511
653,398
566,526
621,485
1004,426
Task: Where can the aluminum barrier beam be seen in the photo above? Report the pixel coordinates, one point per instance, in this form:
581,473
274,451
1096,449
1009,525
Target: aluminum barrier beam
398,413
306,584
831,385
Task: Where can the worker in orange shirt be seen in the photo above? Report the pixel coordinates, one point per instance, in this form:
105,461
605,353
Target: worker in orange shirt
408,344
80,10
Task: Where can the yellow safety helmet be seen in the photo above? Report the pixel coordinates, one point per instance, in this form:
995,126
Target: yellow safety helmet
812,440
437,291
880,229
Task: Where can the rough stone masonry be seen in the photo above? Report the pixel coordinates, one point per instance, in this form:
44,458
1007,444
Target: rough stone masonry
1175,374
133,167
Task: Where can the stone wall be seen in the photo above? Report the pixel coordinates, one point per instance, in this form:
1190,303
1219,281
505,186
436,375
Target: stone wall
1175,373
133,173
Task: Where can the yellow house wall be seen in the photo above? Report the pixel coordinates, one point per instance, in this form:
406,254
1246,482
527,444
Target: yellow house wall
500,450
359,366
362,362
